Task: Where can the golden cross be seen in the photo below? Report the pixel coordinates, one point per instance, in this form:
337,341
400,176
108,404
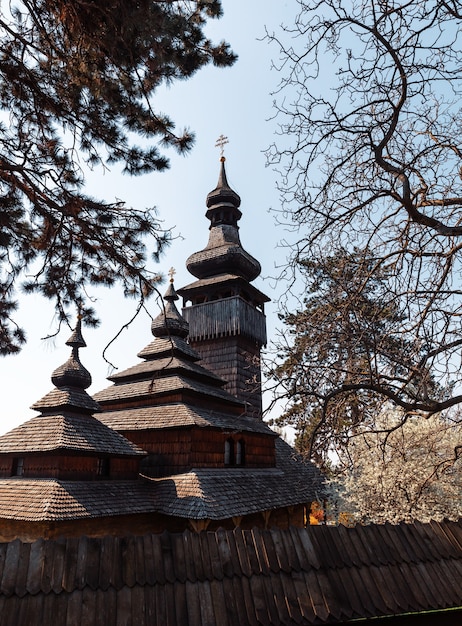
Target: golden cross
221,142
171,273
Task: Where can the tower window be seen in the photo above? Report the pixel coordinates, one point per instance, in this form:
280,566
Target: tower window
240,452
103,467
17,468
229,452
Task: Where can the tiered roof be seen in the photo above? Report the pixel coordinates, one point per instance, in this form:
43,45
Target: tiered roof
67,440
66,423
170,389
171,392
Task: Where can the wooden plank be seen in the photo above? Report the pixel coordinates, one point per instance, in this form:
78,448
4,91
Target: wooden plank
248,601
92,565
207,614
291,596
260,599
204,538
196,560
381,576
3,549
47,566
290,551
451,570
8,582
169,594
330,605
387,536
157,560
140,572
26,610
270,550
215,561
149,563
346,605
280,549
81,563
105,564
178,557
192,603
104,606
352,539
423,597
241,548
188,557
150,607
248,537
365,600
57,572
74,608
231,602
279,611
260,551
70,564
180,603
167,557
224,552
138,606
127,552
161,608
124,607
379,606
302,556
89,604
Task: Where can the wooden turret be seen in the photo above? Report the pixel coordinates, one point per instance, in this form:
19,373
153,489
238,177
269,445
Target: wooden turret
227,324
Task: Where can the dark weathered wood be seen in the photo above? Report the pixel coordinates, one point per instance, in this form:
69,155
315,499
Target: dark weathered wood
231,578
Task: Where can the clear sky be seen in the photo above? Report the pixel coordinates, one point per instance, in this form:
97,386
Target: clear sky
235,102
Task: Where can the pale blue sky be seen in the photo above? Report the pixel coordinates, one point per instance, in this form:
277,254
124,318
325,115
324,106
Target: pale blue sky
235,102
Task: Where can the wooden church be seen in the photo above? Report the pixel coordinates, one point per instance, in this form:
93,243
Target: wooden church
165,500
177,441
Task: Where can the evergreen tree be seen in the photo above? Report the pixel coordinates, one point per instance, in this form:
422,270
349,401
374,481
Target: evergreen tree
76,83
344,353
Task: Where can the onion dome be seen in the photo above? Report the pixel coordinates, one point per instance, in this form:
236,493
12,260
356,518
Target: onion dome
224,253
73,373
170,322
70,379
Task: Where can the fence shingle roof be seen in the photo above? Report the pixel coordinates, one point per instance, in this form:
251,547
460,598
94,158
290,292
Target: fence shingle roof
232,578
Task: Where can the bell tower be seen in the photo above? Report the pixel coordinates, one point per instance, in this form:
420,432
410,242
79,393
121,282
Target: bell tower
225,312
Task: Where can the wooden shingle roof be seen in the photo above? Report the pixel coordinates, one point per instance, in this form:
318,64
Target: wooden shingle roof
152,387
199,494
218,494
39,500
318,575
179,415
76,433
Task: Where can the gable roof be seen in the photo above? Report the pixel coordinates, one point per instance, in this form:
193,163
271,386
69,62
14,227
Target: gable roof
318,575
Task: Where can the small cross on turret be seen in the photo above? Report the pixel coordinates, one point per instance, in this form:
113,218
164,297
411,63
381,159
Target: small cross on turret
221,142
171,273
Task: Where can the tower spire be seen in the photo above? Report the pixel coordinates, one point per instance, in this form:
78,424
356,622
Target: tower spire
227,324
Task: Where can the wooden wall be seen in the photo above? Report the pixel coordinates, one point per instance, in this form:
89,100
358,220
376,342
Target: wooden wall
173,451
236,359
141,524
68,467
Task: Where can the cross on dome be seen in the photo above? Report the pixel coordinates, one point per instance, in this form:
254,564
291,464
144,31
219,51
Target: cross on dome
220,143
171,273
